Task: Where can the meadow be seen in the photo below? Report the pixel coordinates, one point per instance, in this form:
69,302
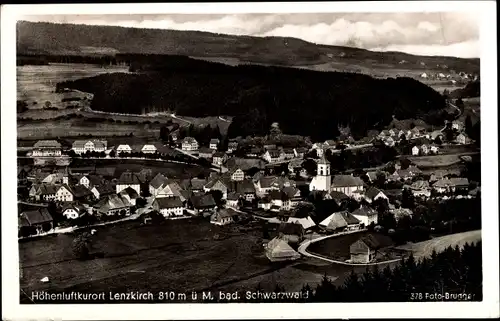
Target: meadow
37,83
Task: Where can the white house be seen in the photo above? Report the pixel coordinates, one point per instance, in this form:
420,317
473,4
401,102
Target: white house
223,216
434,149
84,180
64,194
279,200
366,215
123,148
214,143
128,179
233,199
237,174
372,194
347,184
306,222
339,221
323,179
232,146
424,149
94,145
149,149
462,139
73,211
46,148
415,150
219,158
169,206
273,156
189,144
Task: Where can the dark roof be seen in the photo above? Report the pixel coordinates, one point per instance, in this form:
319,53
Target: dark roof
364,211
291,229
168,202
198,183
233,196
106,189
132,193
202,201
274,153
377,241
278,195
79,191
106,171
158,181
346,181
76,206
205,150
245,187
338,196
128,177
371,192
219,154
37,216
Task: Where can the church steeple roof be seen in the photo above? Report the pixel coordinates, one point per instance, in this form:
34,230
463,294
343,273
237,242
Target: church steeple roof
322,160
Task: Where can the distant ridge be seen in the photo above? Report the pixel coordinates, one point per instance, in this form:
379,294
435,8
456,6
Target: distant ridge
42,38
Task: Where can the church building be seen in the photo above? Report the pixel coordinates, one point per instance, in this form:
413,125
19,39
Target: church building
323,179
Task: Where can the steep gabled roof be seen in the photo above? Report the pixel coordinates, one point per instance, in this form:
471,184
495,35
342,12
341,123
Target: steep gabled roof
128,177
372,192
203,201
168,202
39,216
364,211
245,187
346,181
132,193
291,229
158,181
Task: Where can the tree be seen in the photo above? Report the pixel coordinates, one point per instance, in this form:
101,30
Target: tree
48,104
82,245
438,140
468,126
405,163
217,195
408,200
164,133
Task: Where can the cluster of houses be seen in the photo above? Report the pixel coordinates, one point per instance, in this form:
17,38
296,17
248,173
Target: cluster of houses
452,76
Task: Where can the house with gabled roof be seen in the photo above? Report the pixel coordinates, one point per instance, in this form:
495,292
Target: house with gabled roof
214,143
451,184
169,206
291,232
43,192
74,210
217,183
293,194
156,184
420,188
46,148
219,158
113,204
366,215
278,250
128,179
203,203
236,174
340,221
365,249
40,220
347,184
189,144
233,199
232,146
372,194
273,156
123,149
149,149
130,194
280,200
224,216
246,188
103,190
306,222
339,197
205,152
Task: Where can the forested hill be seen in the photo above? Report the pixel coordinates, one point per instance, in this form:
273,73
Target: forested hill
51,40
304,102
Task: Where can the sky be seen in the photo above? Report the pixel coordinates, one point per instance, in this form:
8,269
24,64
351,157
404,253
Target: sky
444,34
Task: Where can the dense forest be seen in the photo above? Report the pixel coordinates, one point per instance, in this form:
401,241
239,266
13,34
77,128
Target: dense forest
471,90
303,102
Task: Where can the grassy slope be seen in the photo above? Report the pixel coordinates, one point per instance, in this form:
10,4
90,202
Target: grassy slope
81,40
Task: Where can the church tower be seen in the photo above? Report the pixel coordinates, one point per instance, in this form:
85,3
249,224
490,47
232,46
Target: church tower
323,179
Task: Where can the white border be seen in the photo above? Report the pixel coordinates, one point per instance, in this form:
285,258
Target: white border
10,284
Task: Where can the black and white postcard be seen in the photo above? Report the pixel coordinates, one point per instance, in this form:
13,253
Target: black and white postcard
249,160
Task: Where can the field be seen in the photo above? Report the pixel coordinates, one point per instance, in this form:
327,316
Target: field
439,244
37,83
336,247
179,256
438,160
171,170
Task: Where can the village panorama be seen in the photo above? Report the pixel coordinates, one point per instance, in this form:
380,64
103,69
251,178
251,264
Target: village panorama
159,165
